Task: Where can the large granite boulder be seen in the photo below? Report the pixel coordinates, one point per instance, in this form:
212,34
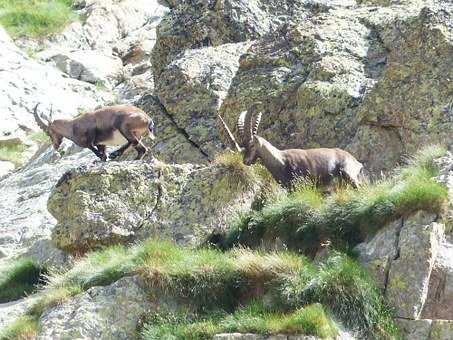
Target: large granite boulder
123,202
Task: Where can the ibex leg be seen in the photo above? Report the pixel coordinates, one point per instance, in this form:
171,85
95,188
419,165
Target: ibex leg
132,140
98,153
120,151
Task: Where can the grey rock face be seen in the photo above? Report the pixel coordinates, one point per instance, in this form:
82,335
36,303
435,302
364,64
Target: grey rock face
24,218
378,253
325,71
193,87
409,274
110,312
412,261
415,329
89,66
122,202
10,311
440,293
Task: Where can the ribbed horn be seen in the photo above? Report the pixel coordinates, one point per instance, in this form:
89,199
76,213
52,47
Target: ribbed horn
39,121
240,125
231,138
248,121
257,123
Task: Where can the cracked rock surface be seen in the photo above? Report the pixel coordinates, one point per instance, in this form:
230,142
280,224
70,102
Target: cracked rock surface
128,201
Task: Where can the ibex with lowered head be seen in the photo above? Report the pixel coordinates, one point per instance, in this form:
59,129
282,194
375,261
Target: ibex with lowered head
321,164
110,125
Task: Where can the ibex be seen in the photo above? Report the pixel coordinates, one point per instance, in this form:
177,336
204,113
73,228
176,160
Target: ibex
110,125
321,164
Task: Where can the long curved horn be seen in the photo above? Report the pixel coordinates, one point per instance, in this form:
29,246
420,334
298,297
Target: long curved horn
39,121
240,125
231,138
248,127
257,123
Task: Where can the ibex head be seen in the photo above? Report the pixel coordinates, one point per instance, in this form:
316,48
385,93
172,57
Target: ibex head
48,128
247,125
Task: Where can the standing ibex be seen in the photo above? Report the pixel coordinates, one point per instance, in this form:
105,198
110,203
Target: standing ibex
111,125
322,164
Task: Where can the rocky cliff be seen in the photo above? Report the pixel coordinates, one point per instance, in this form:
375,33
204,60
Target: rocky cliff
372,77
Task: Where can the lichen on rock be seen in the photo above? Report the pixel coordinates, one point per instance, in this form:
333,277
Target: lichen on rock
128,201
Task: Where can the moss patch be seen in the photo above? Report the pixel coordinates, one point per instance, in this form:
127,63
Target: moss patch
13,153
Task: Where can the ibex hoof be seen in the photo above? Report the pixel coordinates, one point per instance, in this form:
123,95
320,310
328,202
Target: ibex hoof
113,155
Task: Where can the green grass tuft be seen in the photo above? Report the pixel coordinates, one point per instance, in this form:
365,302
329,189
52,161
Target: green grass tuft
252,318
19,279
341,284
35,18
51,298
26,327
239,176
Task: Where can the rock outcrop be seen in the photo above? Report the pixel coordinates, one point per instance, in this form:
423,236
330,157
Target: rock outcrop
129,201
25,223
371,76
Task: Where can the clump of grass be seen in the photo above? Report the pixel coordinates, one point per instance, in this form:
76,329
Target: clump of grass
19,279
97,268
212,279
342,285
253,318
303,218
39,137
37,18
13,153
25,327
239,176
308,192
51,298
